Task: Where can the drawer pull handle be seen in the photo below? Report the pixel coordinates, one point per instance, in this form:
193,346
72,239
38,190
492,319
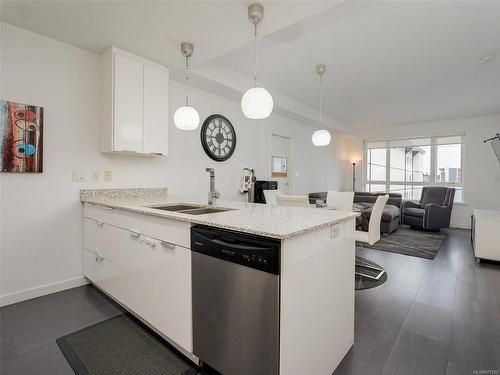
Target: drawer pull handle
134,234
98,257
90,204
100,223
109,208
168,245
147,242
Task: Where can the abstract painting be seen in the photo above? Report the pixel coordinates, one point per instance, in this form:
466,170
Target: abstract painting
21,138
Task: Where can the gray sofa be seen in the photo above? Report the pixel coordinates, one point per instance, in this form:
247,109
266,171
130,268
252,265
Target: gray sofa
364,202
433,212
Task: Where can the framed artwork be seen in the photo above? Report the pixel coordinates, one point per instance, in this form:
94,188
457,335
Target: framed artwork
21,138
278,166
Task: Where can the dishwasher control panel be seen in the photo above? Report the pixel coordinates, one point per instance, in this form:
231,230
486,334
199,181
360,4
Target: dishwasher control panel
248,250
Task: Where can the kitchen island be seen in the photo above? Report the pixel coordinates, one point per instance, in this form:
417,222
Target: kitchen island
140,255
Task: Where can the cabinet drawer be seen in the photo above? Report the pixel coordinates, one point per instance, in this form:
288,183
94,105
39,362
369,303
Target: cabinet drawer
109,241
168,230
103,214
103,273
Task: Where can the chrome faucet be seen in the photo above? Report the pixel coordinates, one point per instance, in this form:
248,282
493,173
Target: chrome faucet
213,194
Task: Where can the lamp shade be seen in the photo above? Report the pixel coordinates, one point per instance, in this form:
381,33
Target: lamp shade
186,118
321,137
257,103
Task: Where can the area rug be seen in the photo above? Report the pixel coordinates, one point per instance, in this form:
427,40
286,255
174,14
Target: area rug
361,282
122,346
410,242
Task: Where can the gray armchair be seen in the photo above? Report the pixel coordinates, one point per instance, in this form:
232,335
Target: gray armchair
433,212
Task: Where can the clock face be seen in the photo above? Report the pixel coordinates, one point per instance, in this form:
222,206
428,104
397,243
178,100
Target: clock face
218,137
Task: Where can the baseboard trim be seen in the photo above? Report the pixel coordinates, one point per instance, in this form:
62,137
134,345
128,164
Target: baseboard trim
460,226
23,295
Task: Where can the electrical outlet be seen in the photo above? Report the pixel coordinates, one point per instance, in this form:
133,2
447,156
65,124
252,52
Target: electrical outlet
108,176
334,230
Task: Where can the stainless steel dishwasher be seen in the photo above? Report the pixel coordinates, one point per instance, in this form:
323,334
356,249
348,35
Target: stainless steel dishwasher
235,301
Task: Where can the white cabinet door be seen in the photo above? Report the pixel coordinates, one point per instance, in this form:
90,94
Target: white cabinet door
155,110
171,311
128,104
104,273
136,275
90,266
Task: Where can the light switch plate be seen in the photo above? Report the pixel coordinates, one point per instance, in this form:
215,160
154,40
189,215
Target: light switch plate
334,230
79,175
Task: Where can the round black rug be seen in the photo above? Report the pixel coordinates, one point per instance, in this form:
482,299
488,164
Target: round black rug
362,282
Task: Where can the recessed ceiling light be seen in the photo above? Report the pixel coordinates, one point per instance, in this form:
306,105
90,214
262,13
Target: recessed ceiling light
487,57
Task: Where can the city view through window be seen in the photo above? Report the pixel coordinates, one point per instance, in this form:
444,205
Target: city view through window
405,166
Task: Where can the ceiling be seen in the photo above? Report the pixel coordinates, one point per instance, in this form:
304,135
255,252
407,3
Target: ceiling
387,62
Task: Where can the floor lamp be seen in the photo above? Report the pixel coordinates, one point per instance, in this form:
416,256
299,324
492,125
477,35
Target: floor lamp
354,162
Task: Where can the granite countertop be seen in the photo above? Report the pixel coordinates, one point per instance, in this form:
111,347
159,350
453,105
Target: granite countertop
279,222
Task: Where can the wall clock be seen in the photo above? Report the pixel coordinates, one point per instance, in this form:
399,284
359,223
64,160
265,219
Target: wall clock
218,137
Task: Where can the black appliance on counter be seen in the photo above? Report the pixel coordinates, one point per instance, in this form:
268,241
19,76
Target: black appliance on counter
260,186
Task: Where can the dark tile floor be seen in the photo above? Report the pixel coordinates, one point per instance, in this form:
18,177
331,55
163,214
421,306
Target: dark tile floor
430,317
438,316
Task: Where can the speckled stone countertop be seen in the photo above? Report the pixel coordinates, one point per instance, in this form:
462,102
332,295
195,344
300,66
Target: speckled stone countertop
279,222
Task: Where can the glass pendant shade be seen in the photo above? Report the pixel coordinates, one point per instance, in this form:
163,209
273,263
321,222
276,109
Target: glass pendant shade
186,118
321,137
257,103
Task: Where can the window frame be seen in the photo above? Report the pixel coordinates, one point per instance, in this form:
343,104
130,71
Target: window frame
433,164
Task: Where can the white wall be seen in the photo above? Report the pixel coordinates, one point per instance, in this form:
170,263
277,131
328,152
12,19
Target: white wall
481,170
318,168
40,214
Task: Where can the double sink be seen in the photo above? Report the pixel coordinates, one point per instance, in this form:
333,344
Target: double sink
191,209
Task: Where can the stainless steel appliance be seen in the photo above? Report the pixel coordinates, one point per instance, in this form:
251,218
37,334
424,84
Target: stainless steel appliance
235,301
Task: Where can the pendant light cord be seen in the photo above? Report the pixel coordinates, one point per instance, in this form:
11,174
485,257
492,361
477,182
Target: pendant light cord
187,80
321,98
255,48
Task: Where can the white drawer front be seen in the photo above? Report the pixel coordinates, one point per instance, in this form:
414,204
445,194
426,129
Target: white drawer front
101,213
103,273
109,241
173,231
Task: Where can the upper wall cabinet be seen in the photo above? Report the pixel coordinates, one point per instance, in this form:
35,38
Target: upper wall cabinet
135,105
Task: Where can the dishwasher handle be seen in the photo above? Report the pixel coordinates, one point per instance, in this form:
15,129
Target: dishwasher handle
251,251
236,245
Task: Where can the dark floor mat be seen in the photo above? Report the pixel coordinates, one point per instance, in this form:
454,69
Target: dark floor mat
121,346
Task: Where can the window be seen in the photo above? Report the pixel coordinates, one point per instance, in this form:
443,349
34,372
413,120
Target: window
405,166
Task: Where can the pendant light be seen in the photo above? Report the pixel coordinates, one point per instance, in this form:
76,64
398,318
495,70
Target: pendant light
257,102
186,117
321,137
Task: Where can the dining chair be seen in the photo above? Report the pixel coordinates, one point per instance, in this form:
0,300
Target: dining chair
340,200
372,236
270,196
293,200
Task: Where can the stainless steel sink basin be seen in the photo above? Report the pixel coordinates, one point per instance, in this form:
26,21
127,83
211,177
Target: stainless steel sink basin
177,207
191,209
206,210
